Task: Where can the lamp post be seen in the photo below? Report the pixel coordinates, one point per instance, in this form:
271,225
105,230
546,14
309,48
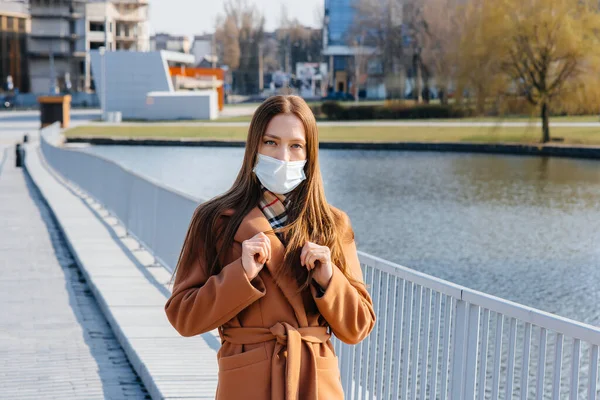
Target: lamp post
102,51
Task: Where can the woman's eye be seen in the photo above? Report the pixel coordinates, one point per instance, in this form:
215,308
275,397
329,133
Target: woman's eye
297,146
269,142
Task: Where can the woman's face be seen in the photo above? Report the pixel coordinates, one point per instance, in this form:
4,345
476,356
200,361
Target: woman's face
284,139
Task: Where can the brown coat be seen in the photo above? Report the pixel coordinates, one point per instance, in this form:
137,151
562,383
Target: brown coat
275,341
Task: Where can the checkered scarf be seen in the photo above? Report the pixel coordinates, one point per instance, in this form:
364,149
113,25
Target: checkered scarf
274,208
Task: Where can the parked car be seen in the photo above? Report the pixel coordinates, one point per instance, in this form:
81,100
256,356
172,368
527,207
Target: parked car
338,96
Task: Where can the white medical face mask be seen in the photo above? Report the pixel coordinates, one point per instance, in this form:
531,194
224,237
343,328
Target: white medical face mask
278,176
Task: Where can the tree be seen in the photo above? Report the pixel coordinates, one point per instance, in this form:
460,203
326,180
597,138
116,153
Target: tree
359,66
440,40
378,25
546,46
240,34
227,37
478,59
297,43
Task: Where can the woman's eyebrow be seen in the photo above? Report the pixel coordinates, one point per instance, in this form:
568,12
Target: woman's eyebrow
272,136
301,140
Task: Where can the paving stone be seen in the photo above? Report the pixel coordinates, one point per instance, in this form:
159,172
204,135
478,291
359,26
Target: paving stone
54,340
131,292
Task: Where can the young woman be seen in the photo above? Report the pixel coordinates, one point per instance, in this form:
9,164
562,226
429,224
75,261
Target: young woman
274,267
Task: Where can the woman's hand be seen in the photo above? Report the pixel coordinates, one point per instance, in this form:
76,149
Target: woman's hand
255,253
317,258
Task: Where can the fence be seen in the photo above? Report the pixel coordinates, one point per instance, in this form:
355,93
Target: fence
433,339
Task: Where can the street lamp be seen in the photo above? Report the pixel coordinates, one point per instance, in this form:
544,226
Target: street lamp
102,51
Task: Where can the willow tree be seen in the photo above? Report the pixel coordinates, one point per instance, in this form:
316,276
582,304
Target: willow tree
440,39
547,44
479,55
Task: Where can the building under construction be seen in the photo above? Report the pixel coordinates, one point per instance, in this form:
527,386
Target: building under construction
63,32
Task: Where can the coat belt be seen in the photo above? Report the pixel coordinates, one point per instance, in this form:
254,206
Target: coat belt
290,339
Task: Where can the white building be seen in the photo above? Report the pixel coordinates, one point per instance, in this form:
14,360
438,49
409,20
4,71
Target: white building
139,86
203,48
63,32
116,25
164,41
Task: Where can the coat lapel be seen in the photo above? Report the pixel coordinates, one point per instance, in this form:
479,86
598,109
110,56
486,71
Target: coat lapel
255,222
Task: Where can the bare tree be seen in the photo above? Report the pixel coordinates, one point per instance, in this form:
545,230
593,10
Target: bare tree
227,39
359,68
440,39
240,35
297,43
380,23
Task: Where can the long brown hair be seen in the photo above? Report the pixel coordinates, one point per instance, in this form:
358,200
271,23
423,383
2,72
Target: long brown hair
310,216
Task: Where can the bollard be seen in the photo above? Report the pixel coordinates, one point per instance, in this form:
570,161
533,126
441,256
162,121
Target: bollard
19,155
25,138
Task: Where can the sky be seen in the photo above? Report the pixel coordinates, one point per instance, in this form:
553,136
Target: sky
195,17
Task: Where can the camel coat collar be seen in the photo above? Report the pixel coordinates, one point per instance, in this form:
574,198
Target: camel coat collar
255,222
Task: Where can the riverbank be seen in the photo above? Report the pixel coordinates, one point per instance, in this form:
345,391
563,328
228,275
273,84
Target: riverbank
576,141
374,133
496,120
555,150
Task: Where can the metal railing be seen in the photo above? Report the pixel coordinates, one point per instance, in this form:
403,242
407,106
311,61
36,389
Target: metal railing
433,339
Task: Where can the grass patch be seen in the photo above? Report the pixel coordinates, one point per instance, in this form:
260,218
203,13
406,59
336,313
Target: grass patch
239,118
588,136
516,118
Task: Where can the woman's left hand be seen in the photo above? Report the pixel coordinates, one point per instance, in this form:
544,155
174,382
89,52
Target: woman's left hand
323,269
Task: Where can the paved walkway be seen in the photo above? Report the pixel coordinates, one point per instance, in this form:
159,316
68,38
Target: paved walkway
54,340
131,291
82,323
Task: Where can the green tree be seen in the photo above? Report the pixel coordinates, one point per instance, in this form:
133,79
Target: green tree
545,47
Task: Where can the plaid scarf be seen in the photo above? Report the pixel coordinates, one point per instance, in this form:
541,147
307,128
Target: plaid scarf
274,208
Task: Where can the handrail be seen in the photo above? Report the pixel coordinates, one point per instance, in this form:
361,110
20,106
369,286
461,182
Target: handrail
433,338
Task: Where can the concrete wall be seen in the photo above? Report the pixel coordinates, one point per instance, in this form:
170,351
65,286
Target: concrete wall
39,71
183,105
42,26
201,48
130,76
81,29
13,7
45,45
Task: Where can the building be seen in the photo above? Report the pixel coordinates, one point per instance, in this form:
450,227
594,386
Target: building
337,43
116,25
63,32
138,85
204,49
352,64
14,28
164,41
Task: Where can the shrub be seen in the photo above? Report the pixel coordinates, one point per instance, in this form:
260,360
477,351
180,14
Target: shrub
337,112
332,110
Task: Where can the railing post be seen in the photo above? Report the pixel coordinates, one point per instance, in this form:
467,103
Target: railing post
458,355
470,371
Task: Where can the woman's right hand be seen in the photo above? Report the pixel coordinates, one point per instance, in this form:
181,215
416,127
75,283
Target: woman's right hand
255,253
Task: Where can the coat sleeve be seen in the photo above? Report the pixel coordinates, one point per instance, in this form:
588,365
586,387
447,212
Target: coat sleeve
347,307
200,303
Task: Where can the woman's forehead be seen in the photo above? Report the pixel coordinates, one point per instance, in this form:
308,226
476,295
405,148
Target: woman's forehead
286,126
